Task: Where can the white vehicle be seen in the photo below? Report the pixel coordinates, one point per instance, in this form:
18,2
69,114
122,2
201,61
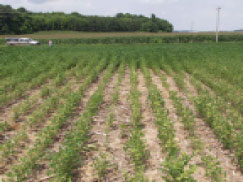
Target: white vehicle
21,41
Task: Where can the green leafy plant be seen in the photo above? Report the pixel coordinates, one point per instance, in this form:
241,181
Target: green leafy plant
213,169
102,166
175,169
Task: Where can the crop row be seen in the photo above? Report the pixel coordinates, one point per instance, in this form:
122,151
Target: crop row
232,115
176,166
213,168
135,145
69,156
220,102
102,164
212,165
211,108
46,136
224,131
39,115
229,93
25,107
226,128
29,81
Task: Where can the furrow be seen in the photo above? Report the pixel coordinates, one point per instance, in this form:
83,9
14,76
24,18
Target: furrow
228,111
16,146
20,122
14,115
181,135
88,172
153,171
33,123
117,136
47,134
212,145
41,172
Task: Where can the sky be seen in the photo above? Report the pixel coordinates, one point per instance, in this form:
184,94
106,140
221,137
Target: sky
199,15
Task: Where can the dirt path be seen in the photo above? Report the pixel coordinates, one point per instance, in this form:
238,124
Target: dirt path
181,135
212,145
153,171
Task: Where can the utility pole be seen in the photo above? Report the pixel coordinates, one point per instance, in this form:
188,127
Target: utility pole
217,23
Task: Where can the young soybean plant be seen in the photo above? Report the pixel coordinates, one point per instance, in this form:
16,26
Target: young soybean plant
102,166
135,146
46,136
213,169
176,162
63,162
174,169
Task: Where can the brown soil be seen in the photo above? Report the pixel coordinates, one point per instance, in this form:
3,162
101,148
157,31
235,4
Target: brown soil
212,145
228,105
29,93
181,135
116,142
98,136
229,111
108,143
31,132
111,142
66,128
6,112
153,171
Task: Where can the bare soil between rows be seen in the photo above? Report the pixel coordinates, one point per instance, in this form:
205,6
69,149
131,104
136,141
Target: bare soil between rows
111,142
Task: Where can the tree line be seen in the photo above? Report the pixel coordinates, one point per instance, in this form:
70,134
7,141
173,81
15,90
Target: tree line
22,21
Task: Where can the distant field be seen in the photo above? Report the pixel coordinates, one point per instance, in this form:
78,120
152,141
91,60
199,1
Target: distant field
73,34
72,37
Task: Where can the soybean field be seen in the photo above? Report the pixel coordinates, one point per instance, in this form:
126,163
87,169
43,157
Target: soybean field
122,113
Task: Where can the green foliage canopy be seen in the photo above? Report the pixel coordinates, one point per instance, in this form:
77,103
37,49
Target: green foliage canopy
21,21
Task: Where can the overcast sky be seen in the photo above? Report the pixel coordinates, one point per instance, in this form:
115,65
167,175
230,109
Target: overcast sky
182,13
